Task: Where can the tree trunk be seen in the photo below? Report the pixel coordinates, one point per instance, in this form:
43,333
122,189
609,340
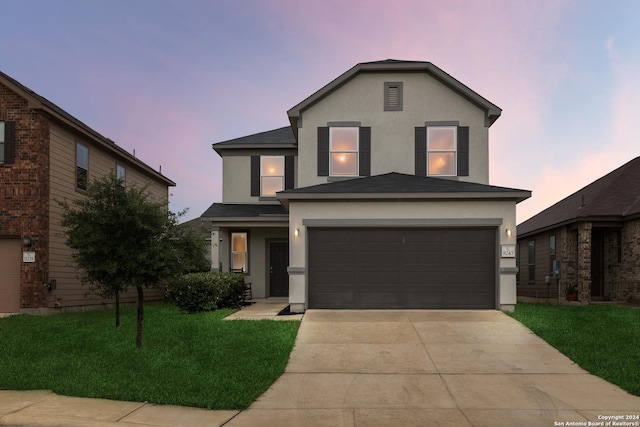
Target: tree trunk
140,315
117,309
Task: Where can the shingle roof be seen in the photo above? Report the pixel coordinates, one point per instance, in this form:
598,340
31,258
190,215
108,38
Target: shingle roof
243,210
281,137
399,183
60,114
615,196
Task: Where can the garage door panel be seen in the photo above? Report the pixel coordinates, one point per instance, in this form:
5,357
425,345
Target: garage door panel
402,268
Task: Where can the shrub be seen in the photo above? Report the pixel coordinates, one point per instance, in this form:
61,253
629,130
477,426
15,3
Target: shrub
196,292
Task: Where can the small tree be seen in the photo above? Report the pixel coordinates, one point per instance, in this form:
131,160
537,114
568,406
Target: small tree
122,238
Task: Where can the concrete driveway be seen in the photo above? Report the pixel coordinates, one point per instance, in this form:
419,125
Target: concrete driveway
430,368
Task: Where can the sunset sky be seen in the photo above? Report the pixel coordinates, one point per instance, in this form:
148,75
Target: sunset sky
170,77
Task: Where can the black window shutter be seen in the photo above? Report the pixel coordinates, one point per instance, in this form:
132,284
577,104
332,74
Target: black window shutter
421,151
364,156
9,142
463,151
288,173
255,175
323,151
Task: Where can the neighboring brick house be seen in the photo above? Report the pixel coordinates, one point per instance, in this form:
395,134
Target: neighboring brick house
593,239
376,196
48,155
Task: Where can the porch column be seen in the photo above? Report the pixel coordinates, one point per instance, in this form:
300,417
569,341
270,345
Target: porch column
584,262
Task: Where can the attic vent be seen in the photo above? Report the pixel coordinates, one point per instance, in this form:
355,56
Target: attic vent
392,96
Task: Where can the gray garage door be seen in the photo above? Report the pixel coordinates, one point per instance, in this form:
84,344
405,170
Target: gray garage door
402,268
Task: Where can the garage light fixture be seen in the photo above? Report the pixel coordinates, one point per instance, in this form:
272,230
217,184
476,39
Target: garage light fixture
508,232
27,241
297,232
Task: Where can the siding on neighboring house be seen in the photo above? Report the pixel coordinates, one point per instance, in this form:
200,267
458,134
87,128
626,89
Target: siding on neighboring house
69,290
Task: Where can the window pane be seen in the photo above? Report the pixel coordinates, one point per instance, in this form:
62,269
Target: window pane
1,152
441,164
239,262
82,156
239,242
344,139
271,184
344,163
441,138
272,165
1,131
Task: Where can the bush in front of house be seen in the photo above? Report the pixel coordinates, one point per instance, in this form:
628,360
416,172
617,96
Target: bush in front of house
197,292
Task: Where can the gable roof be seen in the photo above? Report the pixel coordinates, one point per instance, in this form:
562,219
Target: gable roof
38,102
614,197
278,138
492,111
396,185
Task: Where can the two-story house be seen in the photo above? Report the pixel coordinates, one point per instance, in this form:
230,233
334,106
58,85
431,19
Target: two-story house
376,196
47,155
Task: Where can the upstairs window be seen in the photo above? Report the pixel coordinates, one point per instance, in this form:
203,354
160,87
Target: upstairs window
121,174
271,175
7,146
441,150
343,151
82,166
532,261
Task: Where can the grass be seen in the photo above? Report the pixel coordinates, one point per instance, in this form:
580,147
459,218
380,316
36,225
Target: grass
186,359
602,339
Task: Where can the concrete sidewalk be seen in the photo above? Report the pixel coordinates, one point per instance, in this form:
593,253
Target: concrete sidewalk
382,368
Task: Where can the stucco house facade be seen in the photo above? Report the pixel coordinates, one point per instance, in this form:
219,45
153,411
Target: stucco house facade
376,196
590,240
48,155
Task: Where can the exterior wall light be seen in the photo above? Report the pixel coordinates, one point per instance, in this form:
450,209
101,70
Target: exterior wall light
508,232
27,241
297,232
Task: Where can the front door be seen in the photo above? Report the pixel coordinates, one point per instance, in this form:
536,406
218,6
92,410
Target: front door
278,263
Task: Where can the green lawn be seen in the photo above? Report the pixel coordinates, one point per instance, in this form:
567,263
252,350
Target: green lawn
186,359
602,339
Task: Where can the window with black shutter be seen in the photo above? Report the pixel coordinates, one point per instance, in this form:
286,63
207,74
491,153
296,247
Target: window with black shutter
7,142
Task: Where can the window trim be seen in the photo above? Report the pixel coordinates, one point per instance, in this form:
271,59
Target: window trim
246,251
284,172
79,167
454,151
356,151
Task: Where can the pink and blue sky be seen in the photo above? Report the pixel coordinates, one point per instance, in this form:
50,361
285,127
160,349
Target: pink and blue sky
170,77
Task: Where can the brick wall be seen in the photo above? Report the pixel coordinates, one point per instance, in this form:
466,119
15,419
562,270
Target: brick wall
24,193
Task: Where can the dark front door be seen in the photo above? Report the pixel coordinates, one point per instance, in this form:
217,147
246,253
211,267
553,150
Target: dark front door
278,263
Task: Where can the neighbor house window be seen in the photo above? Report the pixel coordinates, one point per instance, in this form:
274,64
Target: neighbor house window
82,166
239,252
343,151
552,254
271,175
1,142
532,261
121,174
441,150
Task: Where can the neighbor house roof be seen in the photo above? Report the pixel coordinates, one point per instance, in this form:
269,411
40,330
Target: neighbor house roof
492,111
277,138
38,102
614,197
402,186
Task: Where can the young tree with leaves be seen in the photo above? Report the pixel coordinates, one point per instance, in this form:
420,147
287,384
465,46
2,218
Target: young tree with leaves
122,238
